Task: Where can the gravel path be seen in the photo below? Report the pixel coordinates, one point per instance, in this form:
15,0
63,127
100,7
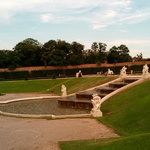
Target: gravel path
40,134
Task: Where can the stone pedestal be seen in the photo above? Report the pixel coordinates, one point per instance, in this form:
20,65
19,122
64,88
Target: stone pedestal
96,113
123,76
145,75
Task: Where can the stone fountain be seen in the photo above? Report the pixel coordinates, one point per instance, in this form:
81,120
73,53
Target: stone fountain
82,100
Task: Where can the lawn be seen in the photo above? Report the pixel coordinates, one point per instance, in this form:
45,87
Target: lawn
128,114
137,142
52,85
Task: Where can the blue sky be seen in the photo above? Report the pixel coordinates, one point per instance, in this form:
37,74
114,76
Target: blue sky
113,22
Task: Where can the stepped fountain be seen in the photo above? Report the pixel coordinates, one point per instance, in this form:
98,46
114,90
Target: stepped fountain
82,100
91,100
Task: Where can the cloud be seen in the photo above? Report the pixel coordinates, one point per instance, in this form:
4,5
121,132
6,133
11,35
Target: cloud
98,26
46,17
137,16
123,14
130,42
123,31
98,13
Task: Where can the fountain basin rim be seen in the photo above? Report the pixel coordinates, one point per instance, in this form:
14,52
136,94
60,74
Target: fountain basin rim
45,116
39,115
29,98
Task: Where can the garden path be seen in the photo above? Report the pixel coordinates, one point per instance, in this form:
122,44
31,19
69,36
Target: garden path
42,134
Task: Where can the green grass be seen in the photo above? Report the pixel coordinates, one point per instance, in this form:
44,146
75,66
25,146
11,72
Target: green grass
138,142
54,86
128,114
129,111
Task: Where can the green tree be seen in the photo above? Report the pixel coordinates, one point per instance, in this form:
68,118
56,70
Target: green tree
124,53
113,55
13,60
102,47
3,57
75,55
29,52
138,57
55,53
102,55
90,57
94,47
45,58
119,54
99,50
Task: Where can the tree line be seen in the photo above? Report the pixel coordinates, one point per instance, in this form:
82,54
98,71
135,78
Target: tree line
31,52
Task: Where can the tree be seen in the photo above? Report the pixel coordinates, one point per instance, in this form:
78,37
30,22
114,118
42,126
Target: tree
75,55
138,57
3,57
124,54
57,58
113,55
13,60
55,53
100,51
102,55
123,49
102,47
89,57
45,58
29,52
119,54
94,47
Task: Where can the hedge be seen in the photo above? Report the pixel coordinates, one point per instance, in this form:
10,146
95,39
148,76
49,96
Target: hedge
19,75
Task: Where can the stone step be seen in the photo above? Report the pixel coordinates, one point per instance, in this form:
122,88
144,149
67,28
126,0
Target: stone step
129,80
106,89
82,100
88,96
77,104
117,84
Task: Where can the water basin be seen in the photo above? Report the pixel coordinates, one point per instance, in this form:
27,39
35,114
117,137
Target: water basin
37,107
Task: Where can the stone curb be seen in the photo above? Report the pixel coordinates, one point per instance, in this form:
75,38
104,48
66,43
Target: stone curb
24,115
28,98
45,116
71,116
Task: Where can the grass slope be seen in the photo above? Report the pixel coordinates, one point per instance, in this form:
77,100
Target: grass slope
72,84
137,142
128,114
129,111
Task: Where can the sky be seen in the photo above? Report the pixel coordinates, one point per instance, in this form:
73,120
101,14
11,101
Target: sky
113,22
